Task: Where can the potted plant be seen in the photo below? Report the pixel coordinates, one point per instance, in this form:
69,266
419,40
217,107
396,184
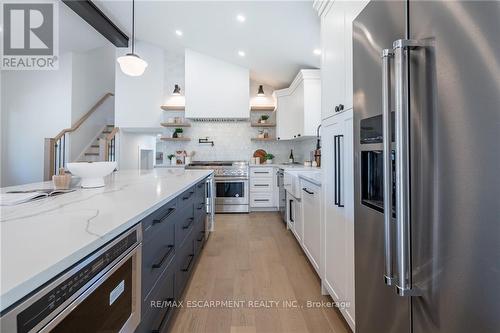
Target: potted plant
263,118
178,133
171,157
269,158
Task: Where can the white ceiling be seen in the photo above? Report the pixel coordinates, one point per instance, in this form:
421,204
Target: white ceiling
278,37
76,35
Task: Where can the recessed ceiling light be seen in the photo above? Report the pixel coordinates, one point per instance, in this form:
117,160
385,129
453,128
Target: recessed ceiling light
178,33
241,18
317,51
241,53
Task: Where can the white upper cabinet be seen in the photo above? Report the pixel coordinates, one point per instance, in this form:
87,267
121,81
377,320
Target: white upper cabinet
332,59
336,61
215,89
299,106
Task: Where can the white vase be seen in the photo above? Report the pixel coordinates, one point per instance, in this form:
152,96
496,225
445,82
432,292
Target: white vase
269,161
173,161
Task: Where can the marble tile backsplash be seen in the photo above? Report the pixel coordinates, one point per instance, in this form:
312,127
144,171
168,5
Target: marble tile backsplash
233,142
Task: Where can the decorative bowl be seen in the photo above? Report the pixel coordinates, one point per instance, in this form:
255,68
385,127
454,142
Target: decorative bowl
92,173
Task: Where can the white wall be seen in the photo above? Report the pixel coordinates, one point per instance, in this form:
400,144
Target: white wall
174,64
268,99
35,105
129,146
93,77
138,99
39,104
215,88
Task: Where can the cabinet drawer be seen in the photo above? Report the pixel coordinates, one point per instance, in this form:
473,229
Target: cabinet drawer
154,222
261,184
158,308
200,205
200,191
187,197
157,254
261,199
185,262
199,238
183,225
264,172
200,215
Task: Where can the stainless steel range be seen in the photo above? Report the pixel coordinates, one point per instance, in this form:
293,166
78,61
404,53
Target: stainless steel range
231,184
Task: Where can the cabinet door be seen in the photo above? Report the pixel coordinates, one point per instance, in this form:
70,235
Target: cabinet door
298,226
284,117
348,193
351,9
311,205
334,249
298,111
333,59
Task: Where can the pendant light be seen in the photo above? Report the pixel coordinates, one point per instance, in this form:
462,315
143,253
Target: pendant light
260,93
131,64
177,90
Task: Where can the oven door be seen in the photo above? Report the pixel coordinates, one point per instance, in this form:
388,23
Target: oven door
111,304
231,191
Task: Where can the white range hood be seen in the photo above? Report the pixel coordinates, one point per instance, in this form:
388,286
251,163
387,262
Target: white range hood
215,89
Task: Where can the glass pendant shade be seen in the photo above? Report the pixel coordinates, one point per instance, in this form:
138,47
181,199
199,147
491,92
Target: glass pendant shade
131,64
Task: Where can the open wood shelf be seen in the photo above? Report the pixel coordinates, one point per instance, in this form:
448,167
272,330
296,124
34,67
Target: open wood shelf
175,124
263,125
173,107
262,108
263,139
165,138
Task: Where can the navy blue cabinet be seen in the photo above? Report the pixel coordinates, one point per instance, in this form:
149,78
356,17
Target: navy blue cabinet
173,237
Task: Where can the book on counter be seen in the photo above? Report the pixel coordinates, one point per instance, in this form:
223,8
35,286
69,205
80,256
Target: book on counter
12,198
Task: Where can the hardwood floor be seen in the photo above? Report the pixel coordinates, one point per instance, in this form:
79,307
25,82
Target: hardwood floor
252,258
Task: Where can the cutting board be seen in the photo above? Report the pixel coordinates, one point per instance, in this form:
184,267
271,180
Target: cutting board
260,153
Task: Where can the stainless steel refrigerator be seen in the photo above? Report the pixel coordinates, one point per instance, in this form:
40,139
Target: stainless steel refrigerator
427,166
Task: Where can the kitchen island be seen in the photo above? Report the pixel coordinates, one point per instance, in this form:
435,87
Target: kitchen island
43,238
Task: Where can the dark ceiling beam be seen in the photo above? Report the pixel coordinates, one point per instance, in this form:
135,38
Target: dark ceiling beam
99,21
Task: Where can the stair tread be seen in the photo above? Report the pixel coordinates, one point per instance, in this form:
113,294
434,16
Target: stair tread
94,146
91,154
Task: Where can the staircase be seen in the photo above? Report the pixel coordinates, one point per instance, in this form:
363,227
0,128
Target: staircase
90,127
92,154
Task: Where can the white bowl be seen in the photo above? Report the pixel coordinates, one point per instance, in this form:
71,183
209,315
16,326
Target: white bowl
92,173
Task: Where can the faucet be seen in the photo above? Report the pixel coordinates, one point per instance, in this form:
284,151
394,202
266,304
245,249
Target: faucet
318,142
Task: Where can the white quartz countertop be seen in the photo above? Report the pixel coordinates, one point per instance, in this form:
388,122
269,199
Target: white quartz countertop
40,239
313,177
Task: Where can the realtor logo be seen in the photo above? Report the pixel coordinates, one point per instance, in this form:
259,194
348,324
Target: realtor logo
30,35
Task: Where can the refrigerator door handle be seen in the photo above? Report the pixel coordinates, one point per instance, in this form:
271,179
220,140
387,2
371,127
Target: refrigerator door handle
387,58
404,285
